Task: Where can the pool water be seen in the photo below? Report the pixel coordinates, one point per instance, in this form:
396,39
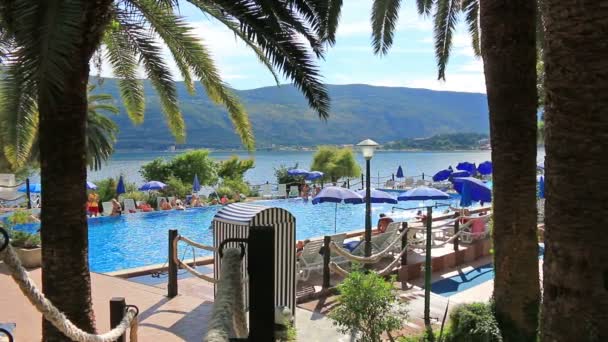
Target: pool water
135,240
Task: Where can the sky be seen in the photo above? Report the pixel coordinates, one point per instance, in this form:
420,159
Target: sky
410,62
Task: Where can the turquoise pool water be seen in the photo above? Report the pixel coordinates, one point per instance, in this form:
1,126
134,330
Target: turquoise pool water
135,240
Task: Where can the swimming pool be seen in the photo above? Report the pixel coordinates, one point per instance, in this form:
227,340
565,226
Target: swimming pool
135,240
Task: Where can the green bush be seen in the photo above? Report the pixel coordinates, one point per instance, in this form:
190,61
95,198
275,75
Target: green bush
183,167
335,163
106,189
285,178
234,168
237,186
175,187
136,196
24,240
224,191
20,217
473,322
158,170
367,307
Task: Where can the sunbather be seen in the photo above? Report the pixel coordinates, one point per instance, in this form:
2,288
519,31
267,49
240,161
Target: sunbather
145,207
165,205
382,224
116,208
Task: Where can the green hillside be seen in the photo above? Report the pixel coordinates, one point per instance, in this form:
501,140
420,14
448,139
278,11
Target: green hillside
440,142
280,116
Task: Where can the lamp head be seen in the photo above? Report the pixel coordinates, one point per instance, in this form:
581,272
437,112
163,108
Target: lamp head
368,147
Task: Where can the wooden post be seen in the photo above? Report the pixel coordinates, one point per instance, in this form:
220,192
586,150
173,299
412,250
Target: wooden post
348,183
27,193
326,259
456,229
260,259
362,182
404,243
423,176
393,177
172,285
118,308
428,269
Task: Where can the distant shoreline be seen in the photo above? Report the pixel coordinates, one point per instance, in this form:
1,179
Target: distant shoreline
285,150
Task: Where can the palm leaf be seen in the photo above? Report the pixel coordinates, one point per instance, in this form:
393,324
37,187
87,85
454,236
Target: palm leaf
385,14
445,22
425,6
471,10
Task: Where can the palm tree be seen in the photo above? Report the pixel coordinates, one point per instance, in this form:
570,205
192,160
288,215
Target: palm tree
508,47
576,82
47,65
20,141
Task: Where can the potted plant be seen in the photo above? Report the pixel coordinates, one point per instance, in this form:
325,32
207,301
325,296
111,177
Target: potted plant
27,247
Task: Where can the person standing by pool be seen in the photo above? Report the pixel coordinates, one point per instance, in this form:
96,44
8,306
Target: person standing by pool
116,208
165,205
93,204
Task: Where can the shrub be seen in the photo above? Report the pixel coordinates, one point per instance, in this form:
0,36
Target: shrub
20,217
284,178
473,322
223,191
175,187
335,163
136,196
367,306
106,189
197,162
158,170
24,240
237,186
234,168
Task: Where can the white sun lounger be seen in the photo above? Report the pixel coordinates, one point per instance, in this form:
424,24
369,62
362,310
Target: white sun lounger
266,191
106,207
129,206
282,191
311,260
293,191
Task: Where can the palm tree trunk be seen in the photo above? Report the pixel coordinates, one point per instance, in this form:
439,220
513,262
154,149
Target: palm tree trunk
575,297
66,280
509,54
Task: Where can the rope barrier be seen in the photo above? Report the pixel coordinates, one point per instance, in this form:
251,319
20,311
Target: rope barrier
187,267
56,317
11,186
372,259
228,317
195,244
389,268
443,243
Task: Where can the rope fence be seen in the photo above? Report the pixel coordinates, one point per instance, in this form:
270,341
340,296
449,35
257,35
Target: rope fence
187,267
388,269
372,259
228,318
54,315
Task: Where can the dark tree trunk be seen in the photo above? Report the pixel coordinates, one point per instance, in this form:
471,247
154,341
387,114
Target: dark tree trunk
509,54
575,302
66,279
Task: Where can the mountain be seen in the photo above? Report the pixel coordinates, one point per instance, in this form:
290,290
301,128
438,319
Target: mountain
441,142
280,116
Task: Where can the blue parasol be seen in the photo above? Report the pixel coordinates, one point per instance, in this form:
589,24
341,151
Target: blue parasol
297,172
399,172
336,194
91,186
465,195
423,193
485,168
442,175
196,185
479,190
152,185
541,187
459,174
120,187
35,188
466,166
312,175
378,196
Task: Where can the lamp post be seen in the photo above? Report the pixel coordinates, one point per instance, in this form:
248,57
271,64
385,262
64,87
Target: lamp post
368,147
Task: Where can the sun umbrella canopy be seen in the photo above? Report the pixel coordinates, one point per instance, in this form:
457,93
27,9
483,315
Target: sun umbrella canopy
152,185
485,168
91,186
423,193
35,188
465,195
459,174
466,166
378,196
541,187
479,190
312,175
120,187
297,172
336,194
196,185
442,175
399,172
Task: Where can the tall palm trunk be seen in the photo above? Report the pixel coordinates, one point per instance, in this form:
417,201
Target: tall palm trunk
65,266
509,54
576,126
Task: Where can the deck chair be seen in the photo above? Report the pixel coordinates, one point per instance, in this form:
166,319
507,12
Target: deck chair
409,182
310,260
129,206
421,182
106,207
170,199
266,191
383,240
415,239
293,191
158,201
282,191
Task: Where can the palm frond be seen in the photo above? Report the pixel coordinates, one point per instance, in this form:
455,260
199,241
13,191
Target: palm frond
150,55
445,22
282,47
120,54
471,10
101,135
385,14
425,7
18,115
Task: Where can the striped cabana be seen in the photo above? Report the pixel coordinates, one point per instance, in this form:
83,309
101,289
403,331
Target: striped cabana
234,220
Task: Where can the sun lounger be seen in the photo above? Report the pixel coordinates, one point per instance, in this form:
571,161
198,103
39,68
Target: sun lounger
293,191
381,241
266,191
106,207
282,191
312,260
129,206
